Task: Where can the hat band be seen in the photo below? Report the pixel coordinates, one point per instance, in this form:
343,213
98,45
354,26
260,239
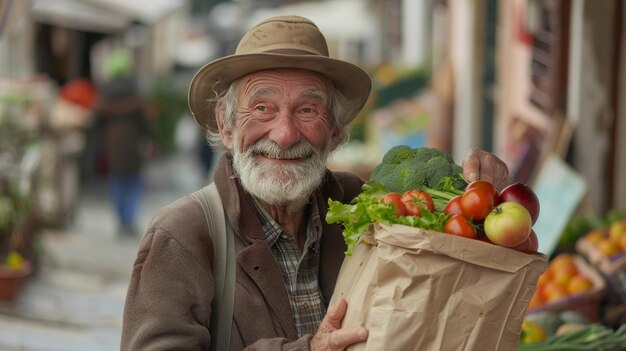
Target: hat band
292,52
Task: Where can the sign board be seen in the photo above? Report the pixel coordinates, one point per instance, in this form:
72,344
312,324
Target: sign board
560,190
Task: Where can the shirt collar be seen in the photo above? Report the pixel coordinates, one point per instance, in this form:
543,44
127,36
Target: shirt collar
273,230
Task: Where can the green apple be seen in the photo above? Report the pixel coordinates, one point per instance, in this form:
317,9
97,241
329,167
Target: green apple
508,224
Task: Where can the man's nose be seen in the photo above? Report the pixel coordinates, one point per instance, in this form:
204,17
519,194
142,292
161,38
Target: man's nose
285,132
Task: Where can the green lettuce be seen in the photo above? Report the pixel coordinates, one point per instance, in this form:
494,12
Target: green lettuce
368,208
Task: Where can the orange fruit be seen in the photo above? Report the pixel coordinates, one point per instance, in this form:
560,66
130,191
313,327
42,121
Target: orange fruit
552,291
545,277
617,229
578,284
556,295
562,259
536,301
563,267
622,243
607,247
563,274
595,235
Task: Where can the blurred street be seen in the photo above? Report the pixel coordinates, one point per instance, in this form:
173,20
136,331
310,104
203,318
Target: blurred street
91,89
75,301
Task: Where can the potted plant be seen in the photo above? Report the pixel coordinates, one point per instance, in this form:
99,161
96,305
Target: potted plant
23,105
13,273
14,268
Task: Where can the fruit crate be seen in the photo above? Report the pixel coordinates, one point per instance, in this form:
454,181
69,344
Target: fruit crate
586,303
612,268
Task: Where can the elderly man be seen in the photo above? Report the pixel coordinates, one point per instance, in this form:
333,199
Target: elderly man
278,107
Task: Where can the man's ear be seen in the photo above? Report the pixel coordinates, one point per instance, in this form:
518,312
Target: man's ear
335,138
225,134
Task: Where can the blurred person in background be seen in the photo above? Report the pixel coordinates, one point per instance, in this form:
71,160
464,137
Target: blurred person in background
205,156
277,107
124,135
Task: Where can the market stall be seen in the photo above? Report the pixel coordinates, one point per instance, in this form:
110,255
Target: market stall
41,140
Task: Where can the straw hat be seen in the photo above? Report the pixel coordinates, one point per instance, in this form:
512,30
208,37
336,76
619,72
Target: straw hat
278,42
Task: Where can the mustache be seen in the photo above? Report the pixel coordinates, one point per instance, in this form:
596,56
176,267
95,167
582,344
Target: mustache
302,149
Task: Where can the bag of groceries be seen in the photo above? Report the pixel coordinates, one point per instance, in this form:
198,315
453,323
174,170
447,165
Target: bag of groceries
435,263
421,290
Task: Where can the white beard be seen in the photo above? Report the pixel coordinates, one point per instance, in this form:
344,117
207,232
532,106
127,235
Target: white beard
288,185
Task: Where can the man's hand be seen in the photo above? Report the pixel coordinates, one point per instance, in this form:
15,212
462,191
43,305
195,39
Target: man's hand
479,164
330,336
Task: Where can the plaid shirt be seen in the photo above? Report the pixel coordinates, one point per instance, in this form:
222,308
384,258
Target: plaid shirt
299,268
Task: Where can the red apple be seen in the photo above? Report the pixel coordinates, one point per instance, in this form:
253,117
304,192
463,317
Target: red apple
508,224
530,245
523,194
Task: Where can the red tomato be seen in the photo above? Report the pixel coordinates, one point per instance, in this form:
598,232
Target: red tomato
476,204
394,200
453,207
461,226
412,200
490,188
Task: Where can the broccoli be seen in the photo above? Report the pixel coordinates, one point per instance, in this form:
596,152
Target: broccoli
436,168
399,177
398,154
429,169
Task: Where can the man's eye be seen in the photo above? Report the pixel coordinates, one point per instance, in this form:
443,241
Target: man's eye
261,108
308,110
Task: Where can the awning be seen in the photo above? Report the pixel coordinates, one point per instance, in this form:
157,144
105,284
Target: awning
335,18
104,16
145,11
79,15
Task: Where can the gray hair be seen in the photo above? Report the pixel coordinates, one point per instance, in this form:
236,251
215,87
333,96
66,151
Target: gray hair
227,103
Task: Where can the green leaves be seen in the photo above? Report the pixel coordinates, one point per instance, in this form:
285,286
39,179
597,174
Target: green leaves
592,337
367,208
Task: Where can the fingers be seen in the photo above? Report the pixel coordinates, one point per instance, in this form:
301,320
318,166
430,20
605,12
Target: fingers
501,175
334,316
471,165
342,338
479,164
330,336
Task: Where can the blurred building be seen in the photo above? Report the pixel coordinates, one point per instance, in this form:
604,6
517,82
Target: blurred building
561,87
65,39
52,56
526,79
529,80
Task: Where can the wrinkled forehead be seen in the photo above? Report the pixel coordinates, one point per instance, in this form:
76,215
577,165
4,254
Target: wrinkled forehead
279,80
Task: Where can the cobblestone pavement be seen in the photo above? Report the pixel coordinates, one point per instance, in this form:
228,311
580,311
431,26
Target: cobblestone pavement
76,299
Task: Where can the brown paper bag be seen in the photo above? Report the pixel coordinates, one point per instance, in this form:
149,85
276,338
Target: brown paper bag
422,290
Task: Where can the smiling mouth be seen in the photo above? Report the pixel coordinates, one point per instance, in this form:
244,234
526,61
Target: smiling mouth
282,157
269,150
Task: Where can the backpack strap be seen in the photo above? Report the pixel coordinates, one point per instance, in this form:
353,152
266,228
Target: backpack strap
222,236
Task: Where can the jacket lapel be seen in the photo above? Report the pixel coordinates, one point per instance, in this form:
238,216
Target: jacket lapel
258,262
256,259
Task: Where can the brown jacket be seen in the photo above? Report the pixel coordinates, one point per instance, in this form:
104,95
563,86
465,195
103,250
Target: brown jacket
168,305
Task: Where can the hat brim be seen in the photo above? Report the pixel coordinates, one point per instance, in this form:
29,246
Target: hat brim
215,77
